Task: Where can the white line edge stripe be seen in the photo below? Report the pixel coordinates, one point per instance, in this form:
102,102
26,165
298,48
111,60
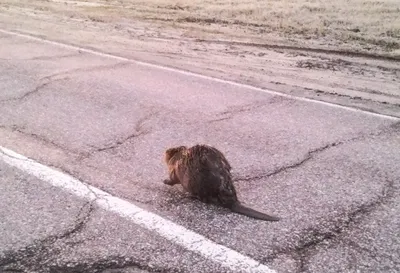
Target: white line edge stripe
193,74
163,227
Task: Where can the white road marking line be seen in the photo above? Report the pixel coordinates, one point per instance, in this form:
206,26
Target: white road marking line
165,228
90,51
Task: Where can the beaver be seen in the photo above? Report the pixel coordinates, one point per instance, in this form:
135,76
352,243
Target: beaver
205,173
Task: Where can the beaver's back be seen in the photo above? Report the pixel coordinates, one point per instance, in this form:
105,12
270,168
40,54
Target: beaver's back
208,175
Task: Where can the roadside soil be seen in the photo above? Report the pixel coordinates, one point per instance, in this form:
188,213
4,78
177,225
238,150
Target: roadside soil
357,79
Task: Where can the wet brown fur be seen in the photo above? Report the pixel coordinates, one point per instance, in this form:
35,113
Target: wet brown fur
204,172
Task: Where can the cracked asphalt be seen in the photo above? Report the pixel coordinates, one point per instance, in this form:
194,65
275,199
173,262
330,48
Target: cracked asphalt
59,232
331,174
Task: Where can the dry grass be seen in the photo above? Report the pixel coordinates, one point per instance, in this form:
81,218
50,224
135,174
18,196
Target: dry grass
369,23
362,24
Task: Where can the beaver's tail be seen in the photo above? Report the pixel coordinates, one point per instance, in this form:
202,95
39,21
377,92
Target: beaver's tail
239,208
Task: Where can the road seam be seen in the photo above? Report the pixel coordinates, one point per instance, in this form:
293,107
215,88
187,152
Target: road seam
173,232
180,71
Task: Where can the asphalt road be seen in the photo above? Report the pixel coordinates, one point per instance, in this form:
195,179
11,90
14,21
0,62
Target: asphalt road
331,173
